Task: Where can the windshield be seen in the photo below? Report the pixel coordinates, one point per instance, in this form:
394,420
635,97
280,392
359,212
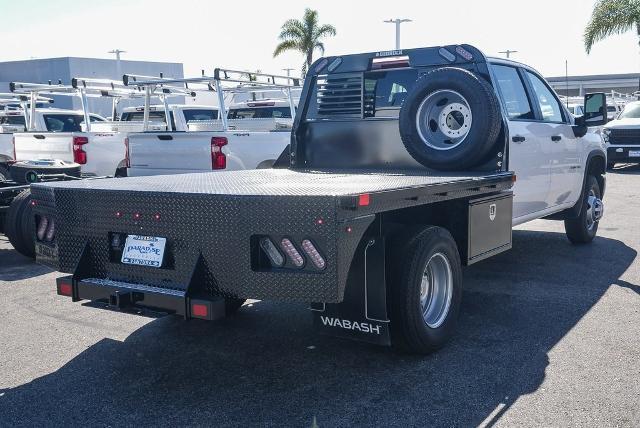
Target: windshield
199,114
260,113
63,122
631,111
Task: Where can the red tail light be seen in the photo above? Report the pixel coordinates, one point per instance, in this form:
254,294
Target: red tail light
218,158
79,155
127,161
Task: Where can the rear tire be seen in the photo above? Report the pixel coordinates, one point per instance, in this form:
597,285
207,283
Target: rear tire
425,291
14,224
582,229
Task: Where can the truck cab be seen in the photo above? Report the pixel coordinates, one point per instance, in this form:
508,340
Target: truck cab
548,156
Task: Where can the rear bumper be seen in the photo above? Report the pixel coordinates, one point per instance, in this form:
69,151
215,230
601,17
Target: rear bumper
621,154
122,295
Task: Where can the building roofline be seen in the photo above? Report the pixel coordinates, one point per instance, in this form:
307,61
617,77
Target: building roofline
124,61
619,76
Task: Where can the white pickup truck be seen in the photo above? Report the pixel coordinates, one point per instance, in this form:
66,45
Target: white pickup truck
102,151
402,169
622,136
258,132
48,120
251,135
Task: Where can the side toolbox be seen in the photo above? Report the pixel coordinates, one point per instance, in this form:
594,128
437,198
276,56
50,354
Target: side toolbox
489,226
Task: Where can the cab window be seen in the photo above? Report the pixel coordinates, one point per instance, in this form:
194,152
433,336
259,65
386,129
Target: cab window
549,105
511,89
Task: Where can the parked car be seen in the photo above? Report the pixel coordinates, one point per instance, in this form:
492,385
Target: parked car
622,136
399,172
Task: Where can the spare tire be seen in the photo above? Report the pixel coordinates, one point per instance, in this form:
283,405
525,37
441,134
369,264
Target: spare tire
450,120
23,171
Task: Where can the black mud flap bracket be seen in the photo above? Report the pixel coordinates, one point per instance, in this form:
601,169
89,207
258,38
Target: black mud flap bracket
362,315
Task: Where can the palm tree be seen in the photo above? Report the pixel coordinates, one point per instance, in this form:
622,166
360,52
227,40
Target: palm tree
612,17
304,36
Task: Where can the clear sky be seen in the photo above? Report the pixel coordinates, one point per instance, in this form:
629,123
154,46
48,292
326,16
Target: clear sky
243,34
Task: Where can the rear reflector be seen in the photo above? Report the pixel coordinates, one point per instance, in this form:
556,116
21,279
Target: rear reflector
292,252
65,289
199,310
313,254
363,200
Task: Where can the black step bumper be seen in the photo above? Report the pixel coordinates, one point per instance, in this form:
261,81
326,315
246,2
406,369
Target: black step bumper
123,295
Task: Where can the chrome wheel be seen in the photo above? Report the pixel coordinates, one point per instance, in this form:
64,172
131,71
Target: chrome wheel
444,120
436,290
595,210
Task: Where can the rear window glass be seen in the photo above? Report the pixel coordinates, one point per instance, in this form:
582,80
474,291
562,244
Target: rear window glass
154,116
12,120
385,91
134,116
631,111
512,91
63,122
260,113
200,114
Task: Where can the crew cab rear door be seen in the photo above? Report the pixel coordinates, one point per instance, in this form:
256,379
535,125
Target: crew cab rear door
558,140
527,158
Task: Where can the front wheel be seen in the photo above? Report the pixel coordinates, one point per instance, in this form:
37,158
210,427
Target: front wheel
425,292
582,229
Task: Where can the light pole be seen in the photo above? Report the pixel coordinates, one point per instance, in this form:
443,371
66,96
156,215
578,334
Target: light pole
288,70
508,53
398,22
118,65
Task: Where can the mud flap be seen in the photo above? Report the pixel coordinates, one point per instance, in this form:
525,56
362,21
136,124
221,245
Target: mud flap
362,315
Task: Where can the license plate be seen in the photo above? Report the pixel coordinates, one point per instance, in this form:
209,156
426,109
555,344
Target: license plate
634,153
143,250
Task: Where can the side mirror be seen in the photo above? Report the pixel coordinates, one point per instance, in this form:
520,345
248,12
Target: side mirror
595,109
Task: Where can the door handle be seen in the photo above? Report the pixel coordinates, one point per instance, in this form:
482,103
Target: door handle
556,138
518,139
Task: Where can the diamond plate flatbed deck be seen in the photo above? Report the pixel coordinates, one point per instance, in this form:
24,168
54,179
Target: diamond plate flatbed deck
286,182
211,220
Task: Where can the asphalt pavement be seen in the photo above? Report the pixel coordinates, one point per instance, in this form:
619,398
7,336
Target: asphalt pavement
549,335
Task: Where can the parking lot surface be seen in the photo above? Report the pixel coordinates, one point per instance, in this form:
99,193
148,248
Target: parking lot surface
549,335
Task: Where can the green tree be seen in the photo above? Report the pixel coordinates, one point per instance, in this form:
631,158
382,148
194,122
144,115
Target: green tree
304,36
612,17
